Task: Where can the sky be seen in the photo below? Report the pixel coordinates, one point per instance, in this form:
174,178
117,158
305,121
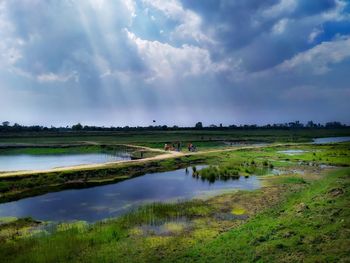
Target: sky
125,62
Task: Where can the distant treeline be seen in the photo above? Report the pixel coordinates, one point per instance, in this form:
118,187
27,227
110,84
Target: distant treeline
7,127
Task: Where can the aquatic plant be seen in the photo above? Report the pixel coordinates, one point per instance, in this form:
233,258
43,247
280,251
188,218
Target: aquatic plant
213,173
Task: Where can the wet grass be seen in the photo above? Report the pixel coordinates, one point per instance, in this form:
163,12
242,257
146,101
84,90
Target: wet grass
312,225
328,154
231,171
14,228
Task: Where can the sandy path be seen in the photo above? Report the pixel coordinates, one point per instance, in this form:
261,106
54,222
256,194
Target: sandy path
164,155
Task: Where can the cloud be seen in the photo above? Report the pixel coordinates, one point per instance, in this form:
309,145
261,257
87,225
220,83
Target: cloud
314,34
320,58
124,62
51,77
281,8
190,23
280,26
167,62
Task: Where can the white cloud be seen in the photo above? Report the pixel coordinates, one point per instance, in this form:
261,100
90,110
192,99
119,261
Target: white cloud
190,27
165,61
131,7
10,46
97,4
9,55
280,26
314,34
321,57
337,13
281,8
171,8
52,77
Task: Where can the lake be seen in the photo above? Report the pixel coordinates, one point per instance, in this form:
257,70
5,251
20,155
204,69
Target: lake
19,162
331,140
97,203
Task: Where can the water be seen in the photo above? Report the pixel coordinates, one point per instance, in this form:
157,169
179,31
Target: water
244,143
331,140
20,162
292,152
93,204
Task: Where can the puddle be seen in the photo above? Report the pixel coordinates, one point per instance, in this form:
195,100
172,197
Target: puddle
292,152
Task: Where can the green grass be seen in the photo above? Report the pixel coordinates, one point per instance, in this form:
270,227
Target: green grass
309,224
13,228
312,226
232,170
158,138
293,180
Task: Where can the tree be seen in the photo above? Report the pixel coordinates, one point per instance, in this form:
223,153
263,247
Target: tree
310,124
5,123
199,125
334,124
77,127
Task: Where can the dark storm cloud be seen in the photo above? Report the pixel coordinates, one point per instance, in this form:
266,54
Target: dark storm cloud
265,33
129,62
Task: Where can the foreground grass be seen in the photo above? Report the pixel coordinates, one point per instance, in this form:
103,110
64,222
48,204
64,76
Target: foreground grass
312,225
304,221
144,235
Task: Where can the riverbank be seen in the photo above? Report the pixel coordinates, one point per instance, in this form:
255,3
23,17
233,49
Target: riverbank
14,186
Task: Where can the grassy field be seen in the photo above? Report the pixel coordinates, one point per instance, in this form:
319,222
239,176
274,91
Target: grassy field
311,225
202,138
301,214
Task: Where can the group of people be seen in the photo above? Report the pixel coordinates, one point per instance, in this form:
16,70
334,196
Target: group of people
177,147
173,147
191,147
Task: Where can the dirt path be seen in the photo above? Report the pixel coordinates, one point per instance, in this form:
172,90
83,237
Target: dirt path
164,155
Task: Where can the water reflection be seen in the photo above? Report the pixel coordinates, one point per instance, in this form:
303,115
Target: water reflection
331,140
101,202
19,162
